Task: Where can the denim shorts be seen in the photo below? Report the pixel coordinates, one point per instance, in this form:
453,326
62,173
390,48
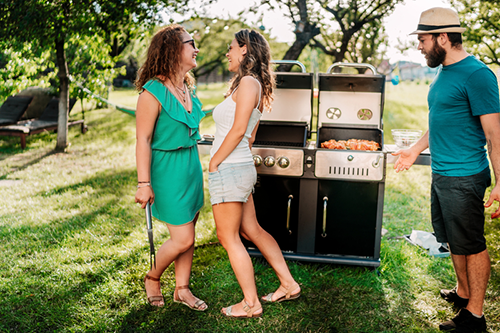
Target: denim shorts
232,182
457,209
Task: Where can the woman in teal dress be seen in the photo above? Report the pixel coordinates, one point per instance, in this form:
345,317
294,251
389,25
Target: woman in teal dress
168,167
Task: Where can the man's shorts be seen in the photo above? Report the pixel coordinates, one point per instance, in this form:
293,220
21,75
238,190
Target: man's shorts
457,209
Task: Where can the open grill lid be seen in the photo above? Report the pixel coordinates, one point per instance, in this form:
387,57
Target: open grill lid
293,96
289,122
351,100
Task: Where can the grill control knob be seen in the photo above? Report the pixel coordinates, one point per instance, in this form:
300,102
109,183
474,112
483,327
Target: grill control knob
257,160
283,162
269,161
350,158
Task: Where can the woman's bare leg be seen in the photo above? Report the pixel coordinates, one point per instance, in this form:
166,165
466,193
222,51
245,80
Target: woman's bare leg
228,220
183,265
251,230
181,241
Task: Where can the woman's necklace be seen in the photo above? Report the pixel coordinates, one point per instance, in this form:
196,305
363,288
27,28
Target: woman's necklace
183,96
183,90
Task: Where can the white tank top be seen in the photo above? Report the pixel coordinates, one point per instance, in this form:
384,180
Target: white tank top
223,116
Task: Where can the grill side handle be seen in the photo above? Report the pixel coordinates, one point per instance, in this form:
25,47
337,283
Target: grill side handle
290,197
348,64
290,62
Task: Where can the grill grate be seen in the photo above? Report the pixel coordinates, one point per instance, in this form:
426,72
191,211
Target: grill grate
278,143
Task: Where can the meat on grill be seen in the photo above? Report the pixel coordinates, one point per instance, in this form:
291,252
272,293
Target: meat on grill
351,144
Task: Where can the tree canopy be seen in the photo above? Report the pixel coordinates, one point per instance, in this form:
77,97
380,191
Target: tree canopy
349,30
481,18
213,35
83,29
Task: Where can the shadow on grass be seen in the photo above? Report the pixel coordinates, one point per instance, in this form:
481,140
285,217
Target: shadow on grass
48,282
334,299
101,290
53,232
26,165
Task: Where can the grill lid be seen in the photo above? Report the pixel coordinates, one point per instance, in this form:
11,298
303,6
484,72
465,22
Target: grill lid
351,100
293,96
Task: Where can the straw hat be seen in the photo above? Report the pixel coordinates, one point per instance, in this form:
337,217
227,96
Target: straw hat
436,20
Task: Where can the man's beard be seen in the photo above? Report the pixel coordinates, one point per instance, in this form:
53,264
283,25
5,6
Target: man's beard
436,56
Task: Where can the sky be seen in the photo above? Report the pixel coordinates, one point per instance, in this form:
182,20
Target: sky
399,24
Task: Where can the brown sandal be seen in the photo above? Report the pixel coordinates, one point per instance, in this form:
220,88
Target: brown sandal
287,297
196,305
152,299
250,311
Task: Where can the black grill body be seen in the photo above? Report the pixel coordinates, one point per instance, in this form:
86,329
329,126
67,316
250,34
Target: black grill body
326,205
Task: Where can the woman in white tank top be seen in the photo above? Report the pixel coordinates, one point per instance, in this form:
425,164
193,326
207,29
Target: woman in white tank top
232,174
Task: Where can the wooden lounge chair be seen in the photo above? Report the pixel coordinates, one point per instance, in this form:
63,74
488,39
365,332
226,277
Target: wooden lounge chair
46,122
13,108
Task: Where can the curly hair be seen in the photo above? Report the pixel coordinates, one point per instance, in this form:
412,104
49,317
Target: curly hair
255,63
164,57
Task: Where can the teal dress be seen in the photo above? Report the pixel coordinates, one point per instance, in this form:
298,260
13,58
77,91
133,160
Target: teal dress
176,173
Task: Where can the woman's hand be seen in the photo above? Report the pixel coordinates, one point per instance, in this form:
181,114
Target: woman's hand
144,195
212,167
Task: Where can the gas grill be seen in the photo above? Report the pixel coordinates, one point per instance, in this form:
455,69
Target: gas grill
279,152
350,183
322,205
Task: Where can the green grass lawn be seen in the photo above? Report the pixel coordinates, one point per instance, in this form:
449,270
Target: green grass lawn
74,248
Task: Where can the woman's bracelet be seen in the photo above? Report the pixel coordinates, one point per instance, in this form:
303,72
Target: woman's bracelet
144,185
147,181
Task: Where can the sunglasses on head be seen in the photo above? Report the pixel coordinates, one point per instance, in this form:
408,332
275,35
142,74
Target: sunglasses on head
191,41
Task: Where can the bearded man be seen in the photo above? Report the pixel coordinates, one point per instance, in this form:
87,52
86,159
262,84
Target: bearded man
463,117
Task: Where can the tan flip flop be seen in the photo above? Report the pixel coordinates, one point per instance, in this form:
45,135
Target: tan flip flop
250,311
287,297
196,305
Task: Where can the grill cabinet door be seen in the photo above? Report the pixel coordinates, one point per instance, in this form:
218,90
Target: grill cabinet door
351,218
272,197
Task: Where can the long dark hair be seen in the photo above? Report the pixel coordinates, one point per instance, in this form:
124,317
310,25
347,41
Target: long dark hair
256,63
164,57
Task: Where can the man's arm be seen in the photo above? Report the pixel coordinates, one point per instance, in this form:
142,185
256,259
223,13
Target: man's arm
491,126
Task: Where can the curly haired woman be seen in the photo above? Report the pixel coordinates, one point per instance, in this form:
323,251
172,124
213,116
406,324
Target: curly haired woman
232,173
168,167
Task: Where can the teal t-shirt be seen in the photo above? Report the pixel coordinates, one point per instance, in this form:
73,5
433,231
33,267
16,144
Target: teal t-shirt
459,94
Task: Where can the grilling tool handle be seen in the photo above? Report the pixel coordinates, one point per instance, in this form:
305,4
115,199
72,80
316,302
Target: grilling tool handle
149,220
152,254
348,64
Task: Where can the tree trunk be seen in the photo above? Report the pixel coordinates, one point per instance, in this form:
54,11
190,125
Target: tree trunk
340,56
301,41
293,53
62,121
304,32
